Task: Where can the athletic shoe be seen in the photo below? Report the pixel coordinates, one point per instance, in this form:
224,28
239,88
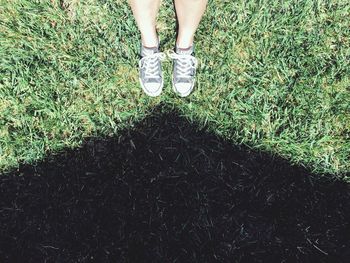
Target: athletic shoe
184,70
151,76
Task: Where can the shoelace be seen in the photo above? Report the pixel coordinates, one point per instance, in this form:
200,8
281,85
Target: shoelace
186,63
150,63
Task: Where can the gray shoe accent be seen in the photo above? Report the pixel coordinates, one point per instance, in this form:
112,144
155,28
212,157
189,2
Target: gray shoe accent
184,70
150,75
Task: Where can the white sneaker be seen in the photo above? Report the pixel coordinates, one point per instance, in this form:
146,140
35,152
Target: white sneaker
151,75
184,70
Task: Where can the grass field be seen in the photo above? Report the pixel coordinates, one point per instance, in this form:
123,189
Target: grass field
274,75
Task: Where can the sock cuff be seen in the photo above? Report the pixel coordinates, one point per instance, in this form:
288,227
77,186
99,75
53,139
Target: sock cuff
185,51
144,50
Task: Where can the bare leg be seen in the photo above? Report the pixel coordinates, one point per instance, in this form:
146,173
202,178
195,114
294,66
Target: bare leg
189,14
145,13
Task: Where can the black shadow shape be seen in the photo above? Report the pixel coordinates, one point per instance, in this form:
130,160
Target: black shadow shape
166,192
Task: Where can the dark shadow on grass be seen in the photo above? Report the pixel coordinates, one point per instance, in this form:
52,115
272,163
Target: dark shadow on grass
165,192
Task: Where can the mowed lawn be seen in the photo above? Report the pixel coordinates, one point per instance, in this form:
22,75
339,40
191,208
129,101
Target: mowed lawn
274,75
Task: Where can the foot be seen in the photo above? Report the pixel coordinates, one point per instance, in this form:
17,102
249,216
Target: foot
184,70
151,76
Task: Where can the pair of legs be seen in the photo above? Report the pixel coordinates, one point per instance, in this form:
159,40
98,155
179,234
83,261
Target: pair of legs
189,14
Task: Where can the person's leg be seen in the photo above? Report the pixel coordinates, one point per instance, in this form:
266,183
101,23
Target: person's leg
189,14
150,69
145,13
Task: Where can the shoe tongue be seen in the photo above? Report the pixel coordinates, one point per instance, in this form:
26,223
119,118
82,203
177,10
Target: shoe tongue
148,51
184,51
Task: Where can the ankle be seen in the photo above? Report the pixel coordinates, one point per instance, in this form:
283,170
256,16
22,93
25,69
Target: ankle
150,42
187,49
184,43
150,46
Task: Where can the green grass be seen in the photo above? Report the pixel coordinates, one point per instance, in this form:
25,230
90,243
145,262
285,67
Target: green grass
274,75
